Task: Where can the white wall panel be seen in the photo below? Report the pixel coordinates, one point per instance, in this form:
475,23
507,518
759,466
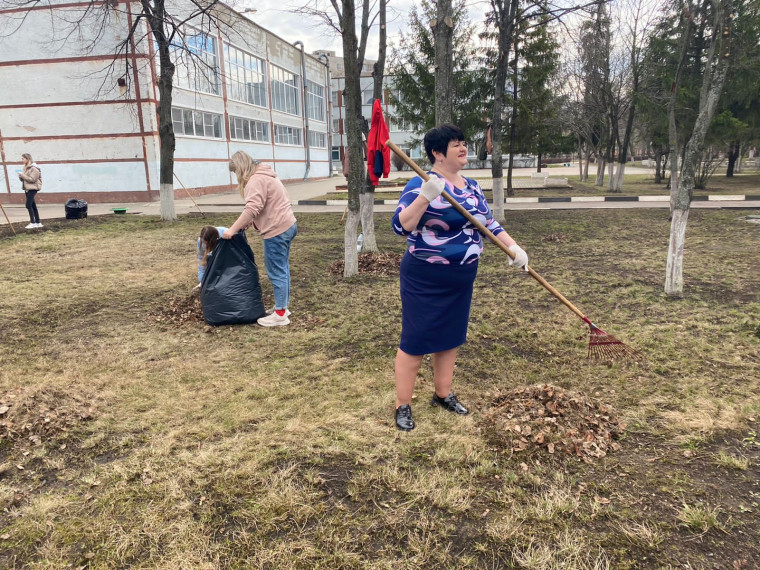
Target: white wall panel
56,82
199,174
70,120
89,177
189,147
51,150
259,151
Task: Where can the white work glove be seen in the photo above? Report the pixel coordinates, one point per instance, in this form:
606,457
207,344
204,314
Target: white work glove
432,188
521,258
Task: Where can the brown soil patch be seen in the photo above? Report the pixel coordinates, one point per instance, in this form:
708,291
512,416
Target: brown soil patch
40,414
374,263
553,420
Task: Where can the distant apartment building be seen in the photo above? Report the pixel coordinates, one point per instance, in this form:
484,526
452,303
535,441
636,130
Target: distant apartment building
89,117
399,133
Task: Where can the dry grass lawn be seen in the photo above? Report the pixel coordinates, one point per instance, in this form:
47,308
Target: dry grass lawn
130,441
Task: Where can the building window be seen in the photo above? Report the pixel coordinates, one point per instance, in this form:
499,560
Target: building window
315,101
246,77
196,123
195,57
397,124
287,135
248,130
334,98
285,95
335,153
336,125
317,139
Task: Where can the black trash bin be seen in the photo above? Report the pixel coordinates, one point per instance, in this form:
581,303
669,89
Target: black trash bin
76,209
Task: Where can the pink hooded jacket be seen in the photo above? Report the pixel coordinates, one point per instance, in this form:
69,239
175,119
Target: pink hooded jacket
267,205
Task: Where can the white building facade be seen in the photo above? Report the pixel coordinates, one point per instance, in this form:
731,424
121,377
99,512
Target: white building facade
89,117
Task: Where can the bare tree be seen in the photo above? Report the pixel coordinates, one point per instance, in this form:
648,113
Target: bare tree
443,32
341,18
714,73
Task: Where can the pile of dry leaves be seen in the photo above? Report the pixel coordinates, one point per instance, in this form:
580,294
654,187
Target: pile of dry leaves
180,311
39,414
375,263
554,420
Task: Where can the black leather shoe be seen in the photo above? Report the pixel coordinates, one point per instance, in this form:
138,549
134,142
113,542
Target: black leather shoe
404,419
449,403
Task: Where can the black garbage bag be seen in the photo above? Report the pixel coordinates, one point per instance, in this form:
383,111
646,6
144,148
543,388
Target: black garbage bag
75,209
230,290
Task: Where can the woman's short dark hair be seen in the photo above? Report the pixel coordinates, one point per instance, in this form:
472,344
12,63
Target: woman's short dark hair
438,138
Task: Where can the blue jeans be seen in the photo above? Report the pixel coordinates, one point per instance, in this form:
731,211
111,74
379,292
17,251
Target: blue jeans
276,255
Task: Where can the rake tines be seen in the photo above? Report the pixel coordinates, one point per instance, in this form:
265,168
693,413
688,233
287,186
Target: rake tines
604,346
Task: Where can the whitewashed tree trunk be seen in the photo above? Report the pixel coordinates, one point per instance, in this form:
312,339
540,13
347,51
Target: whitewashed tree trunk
367,208
498,199
674,268
350,255
617,184
166,195
738,165
611,175
713,79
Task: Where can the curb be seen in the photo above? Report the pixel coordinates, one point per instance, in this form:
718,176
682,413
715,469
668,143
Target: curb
548,199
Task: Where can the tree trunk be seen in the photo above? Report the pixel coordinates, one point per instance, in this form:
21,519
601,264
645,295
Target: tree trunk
350,254
600,167
739,160
586,165
513,120
539,157
166,135
733,153
498,199
505,22
443,33
657,161
617,185
713,79
369,244
354,124
674,268
367,198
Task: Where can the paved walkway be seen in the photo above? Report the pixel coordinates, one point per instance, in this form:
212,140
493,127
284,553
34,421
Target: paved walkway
302,195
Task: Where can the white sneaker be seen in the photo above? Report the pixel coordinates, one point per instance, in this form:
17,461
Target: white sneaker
30,226
274,320
38,225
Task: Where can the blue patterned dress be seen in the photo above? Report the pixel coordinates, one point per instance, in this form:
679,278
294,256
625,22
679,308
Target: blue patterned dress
439,267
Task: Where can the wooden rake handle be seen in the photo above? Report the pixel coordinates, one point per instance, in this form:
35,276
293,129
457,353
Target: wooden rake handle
458,207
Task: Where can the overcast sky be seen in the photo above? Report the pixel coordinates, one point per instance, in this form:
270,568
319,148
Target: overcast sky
277,17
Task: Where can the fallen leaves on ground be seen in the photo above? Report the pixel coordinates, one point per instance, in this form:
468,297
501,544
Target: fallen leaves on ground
180,311
556,237
375,263
552,420
39,414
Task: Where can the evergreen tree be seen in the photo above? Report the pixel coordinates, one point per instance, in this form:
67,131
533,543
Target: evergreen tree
536,128
412,75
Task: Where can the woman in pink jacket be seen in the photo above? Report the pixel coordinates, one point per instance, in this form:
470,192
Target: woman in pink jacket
267,209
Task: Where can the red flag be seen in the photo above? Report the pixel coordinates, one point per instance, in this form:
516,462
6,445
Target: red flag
378,155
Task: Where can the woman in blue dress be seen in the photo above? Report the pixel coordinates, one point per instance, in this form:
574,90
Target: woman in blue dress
439,268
